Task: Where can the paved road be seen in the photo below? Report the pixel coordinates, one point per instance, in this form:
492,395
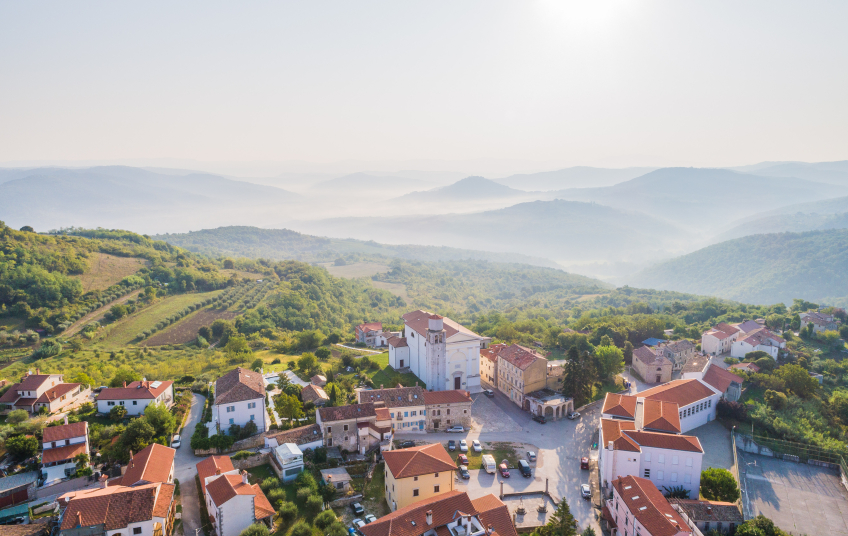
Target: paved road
185,471
560,445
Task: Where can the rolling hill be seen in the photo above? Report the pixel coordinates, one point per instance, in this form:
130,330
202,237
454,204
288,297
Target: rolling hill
702,199
565,231
827,172
761,269
467,189
573,177
798,222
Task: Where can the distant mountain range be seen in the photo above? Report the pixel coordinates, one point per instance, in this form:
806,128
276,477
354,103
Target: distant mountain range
761,269
367,185
827,172
468,189
283,244
574,177
565,231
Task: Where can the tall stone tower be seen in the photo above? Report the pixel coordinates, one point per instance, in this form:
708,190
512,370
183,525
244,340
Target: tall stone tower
436,354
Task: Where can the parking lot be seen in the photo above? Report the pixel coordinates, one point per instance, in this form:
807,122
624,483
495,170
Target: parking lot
799,498
560,445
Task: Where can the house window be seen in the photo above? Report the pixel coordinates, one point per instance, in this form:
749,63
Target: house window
674,477
393,415
110,403
648,457
435,489
660,475
688,462
232,421
345,428
448,413
706,525
675,460
415,479
415,492
251,417
329,429
135,403
687,479
406,414
437,475
661,458
231,409
53,445
414,413
251,405
647,473
136,530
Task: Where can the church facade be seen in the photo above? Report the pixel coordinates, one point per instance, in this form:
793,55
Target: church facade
442,353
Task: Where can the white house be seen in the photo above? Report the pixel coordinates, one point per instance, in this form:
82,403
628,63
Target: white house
240,399
443,353
305,437
820,321
641,437
696,401
405,404
638,507
136,396
288,460
233,504
37,391
718,340
761,340
60,445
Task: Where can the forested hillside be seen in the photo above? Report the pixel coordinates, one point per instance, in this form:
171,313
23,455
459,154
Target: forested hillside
761,269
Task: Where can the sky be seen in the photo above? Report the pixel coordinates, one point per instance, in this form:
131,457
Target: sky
518,86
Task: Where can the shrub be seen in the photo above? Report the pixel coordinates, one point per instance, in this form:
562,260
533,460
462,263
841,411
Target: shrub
325,519
269,483
306,480
301,529
337,529
257,529
303,494
242,454
276,494
314,503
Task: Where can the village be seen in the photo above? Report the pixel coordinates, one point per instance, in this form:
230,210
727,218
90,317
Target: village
488,443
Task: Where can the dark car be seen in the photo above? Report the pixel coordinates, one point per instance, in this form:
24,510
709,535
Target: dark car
524,467
504,470
451,445
463,472
407,444
357,509
584,462
540,419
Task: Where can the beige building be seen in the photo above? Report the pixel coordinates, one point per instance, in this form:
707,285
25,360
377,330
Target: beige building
417,473
677,351
521,372
447,408
489,364
650,366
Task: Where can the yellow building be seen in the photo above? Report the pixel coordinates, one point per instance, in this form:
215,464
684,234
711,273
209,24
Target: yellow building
521,371
417,473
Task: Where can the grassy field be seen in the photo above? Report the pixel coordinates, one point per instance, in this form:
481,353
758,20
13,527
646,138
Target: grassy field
600,390
359,269
105,270
249,275
11,323
98,314
186,329
500,451
397,289
125,331
375,494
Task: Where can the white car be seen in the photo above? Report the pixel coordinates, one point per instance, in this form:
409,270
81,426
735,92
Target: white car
455,429
476,446
586,491
358,524
463,446
370,518
176,442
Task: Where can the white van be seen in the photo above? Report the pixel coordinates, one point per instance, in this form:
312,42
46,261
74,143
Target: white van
489,463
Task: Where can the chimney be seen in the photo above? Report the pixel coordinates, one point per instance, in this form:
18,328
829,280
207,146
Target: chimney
125,384
410,396
416,384
132,461
609,445
38,371
103,480
501,489
381,386
66,419
244,475
546,486
429,517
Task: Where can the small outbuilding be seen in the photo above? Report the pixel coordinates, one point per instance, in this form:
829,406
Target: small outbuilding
337,477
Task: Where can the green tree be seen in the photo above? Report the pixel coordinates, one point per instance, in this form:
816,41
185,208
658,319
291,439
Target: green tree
161,419
628,354
257,529
719,485
301,528
307,361
117,413
839,404
237,350
588,531
759,526
561,523
322,353
118,311
124,374
81,377
325,519
22,447
775,399
676,492
798,380
579,376
17,416
750,357
288,512
139,434
83,466
257,364
289,407
336,529
610,360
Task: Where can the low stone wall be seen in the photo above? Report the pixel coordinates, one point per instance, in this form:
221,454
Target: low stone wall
252,461
338,503
252,442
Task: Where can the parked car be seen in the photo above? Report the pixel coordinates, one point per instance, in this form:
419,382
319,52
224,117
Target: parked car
370,518
489,393
584,462
531,455
175,443
586,491
463,445
407,444
476,446
451,445
574,415
504,469
358,524
357,509
462,459
463,472
455,429
524,467
540,419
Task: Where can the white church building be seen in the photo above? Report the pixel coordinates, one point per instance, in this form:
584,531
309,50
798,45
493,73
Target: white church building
443,354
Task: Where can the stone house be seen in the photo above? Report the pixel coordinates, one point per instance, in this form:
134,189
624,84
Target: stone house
447,408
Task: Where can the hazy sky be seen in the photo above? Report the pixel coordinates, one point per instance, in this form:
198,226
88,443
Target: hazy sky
545,82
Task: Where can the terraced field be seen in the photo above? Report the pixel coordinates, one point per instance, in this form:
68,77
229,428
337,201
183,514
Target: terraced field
105,270
186,329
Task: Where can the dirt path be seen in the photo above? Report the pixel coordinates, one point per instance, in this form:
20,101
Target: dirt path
97,314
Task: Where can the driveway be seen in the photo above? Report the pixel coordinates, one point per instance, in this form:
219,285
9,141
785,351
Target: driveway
560,445
185,471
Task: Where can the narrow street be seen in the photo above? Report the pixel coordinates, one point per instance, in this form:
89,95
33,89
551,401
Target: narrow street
184,469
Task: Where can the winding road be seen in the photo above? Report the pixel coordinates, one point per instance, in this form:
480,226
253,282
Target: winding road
185,470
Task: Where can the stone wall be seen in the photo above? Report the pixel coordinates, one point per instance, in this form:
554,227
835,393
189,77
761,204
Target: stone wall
252,461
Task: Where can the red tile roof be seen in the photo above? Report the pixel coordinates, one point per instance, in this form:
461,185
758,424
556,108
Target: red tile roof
750,367
56,391
115,507
720,378
135,391
727,328
397,342
164,500
613,429
261,505
681,392
370,326
238,385
210,466
419,321
345,413
416,461
665,441
648,505
620,405
311,393
491,353
713,511
412,520
33,382
65,431
452,396
519,356
63,453
151,464
11,394
660,415
298,436
394,397
225,487
762,336
492,511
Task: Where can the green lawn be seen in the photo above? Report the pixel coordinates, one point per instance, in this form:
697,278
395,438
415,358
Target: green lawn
126,330
600,390
11,323
499,450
